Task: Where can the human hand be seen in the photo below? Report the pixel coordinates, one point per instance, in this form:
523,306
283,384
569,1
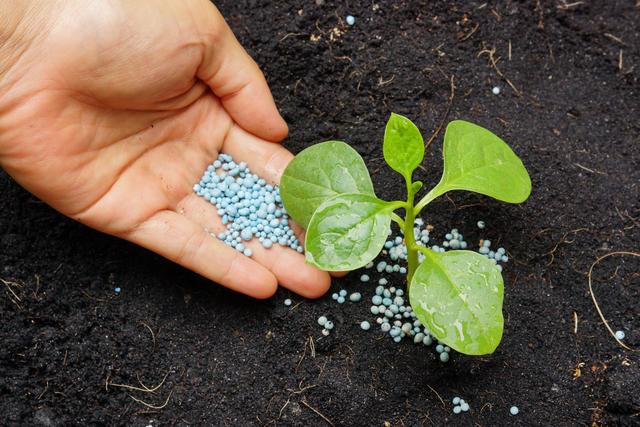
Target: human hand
111,111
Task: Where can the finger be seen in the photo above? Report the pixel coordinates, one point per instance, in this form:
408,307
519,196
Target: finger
236,79
177,238
266,160
288,266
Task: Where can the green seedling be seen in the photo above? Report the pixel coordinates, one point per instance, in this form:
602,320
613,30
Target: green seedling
458,294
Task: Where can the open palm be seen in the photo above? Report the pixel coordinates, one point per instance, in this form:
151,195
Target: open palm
113,111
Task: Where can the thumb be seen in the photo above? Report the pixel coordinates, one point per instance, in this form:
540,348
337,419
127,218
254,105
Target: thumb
235,78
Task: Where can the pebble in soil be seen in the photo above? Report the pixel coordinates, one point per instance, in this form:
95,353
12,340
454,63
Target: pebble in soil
248,207
459,405
326,324
339,296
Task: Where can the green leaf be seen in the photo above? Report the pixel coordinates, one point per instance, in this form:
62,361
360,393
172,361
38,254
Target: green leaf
458,295
403,145
348,231
319,173
477,160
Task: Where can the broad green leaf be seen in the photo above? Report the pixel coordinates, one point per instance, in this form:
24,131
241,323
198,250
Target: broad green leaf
403,145
458,295
347,231
477,160
319,173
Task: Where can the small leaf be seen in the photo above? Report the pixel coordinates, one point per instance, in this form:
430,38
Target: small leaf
477,160
319,173
403,145
458,295
347,231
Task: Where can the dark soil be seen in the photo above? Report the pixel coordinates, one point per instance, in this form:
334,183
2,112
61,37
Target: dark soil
229,360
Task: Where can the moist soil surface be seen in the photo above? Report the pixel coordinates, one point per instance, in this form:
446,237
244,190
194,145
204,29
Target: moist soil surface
569,74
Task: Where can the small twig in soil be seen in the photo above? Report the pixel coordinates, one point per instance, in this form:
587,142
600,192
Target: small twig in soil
153,336
515,281
46,387
284,407
567,6
324,365
589,170
563,240
444,405
503,121
485,405
494,64
148,405
446,113
309,342
91,297
304,353
35,293
313,347
144,388
304,402
615,273
151,390
15,299
614,38
626,215
382,82
470,205
291,393
577,372
540,11
593,296
286,36
455,207
303,389
620,61
469,34
57,269
439,52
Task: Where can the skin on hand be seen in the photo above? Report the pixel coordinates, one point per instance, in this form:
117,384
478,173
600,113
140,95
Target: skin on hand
110,111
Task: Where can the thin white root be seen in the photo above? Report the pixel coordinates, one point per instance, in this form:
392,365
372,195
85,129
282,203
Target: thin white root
144,388
148,405
593,297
